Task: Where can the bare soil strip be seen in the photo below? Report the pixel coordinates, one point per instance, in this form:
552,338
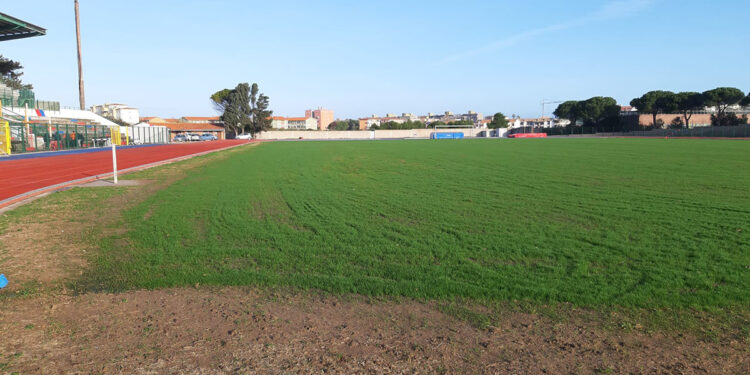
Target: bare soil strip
239,330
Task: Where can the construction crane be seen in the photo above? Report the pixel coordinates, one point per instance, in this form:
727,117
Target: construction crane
545,102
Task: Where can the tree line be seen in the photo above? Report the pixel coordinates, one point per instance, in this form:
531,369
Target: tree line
688,103
597,112
604,112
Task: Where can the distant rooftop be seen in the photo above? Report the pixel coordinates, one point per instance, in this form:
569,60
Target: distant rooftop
13,28
197,118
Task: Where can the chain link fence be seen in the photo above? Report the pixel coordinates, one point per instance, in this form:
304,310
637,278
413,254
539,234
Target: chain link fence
21,138
53,137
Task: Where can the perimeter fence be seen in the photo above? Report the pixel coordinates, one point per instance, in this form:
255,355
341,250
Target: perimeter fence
738,131
18,138
53,137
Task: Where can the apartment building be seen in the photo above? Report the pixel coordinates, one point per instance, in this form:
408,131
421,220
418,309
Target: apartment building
324,117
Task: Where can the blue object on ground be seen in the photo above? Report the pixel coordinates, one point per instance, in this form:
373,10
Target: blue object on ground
3,281
443,135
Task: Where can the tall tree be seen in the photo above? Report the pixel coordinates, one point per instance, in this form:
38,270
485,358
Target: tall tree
721,98
598,109
746,101
220,100
10,74
243,108
653,102
667,102
235,107
689,102
498,121
568,110
260,119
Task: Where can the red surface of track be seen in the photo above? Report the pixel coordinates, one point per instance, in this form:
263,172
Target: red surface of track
25,175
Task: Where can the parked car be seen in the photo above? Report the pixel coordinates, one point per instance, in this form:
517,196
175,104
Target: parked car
244,136
208,137
179,138
195,137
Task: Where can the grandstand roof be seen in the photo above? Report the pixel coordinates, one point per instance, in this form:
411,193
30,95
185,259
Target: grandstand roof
13,28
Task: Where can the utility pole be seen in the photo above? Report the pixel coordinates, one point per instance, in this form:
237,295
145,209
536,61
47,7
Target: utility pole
80,66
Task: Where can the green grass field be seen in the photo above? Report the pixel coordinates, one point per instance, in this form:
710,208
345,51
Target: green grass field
593,222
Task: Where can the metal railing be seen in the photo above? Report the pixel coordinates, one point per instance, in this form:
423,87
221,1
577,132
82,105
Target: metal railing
33,137
739,131
53,137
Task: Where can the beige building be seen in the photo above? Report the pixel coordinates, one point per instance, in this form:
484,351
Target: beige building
368,122
323,116
294,123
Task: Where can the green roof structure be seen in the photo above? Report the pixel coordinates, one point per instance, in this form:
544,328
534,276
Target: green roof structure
13,28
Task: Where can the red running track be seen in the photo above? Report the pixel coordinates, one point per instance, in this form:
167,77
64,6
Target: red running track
27,175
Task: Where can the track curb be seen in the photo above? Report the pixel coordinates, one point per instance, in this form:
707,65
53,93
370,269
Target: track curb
21,199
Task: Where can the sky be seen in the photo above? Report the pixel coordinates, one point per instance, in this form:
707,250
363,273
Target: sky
166,57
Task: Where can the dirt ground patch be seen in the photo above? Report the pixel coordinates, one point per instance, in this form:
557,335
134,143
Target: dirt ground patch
241,330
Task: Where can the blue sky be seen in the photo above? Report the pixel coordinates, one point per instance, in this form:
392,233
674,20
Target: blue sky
371,57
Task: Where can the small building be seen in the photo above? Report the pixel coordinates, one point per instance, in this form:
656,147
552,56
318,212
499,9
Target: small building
294,123
368,122
117,111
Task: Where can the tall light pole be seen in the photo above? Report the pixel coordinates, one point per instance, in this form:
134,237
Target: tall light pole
80,66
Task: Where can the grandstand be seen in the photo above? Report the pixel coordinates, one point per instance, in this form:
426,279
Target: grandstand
13,28
18,105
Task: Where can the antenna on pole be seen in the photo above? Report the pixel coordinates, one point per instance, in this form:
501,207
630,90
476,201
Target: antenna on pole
80,66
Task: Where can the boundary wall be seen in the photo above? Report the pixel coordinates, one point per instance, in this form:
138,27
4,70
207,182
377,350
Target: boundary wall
363,134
